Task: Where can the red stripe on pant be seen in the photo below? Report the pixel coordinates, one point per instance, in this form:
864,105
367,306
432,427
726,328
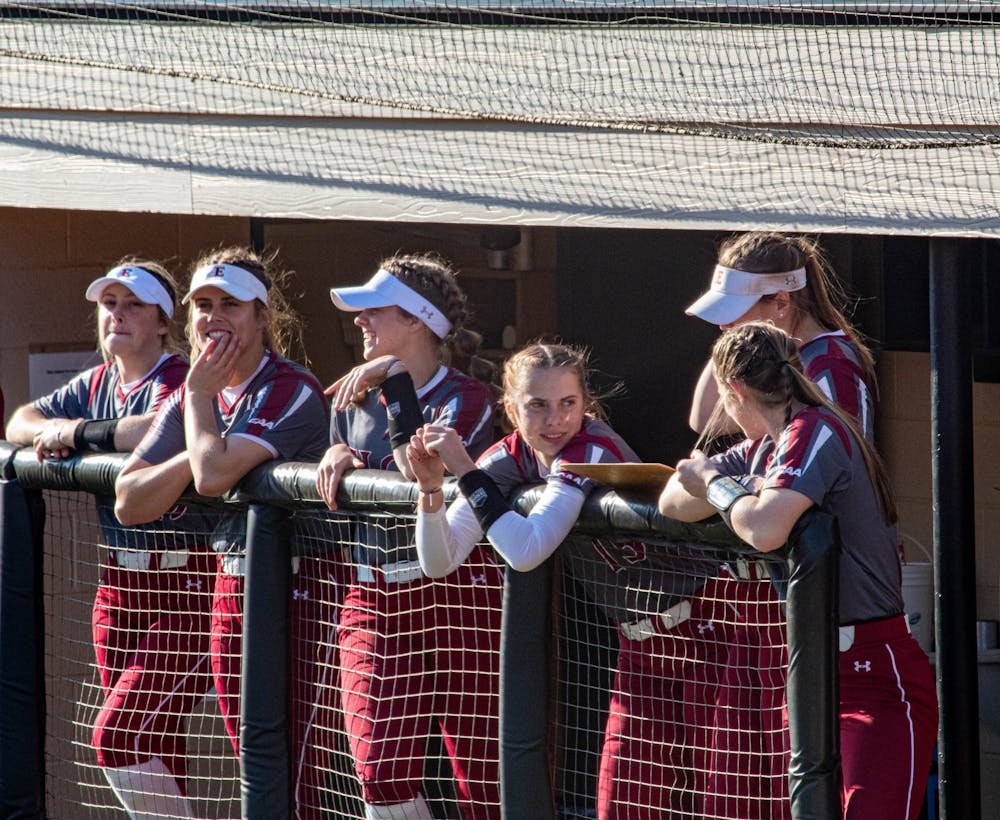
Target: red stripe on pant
227,649
417,653
151,640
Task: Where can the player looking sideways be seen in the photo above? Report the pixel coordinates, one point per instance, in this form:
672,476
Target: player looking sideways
243,403
785,280
888,707
646,763
413,651
150,634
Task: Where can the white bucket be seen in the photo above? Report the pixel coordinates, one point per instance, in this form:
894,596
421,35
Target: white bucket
918,601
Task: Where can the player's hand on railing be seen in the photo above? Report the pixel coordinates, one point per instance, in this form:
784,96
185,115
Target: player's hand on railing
336,461
694,473
55,439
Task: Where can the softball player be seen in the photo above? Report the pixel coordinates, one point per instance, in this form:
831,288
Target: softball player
151,613
785,280
648,768
888,708
413,651
243,403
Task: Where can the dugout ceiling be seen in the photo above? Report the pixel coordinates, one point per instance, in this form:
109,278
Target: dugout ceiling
859,124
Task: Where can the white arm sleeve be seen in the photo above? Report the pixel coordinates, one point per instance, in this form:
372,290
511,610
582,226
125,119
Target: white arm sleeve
525,542
443,543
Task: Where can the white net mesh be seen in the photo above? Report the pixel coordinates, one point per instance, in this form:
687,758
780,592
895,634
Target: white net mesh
667,677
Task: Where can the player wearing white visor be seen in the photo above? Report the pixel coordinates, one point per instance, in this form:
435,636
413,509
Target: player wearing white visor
414,652
786,281
140,616
243,403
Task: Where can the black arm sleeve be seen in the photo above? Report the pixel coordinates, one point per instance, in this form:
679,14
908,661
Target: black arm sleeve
95,436
405,417
484,497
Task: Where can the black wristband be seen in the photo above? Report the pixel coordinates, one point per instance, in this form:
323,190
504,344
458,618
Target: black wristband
95,436
484,497
401,403
723,492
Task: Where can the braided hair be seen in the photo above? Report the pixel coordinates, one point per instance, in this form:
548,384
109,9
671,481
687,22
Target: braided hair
432,277
766,360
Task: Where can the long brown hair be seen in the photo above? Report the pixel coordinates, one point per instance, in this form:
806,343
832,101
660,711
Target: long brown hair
766,360
283,333
823,298
433,277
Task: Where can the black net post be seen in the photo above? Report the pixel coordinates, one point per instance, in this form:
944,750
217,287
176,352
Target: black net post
954,517
813,668
22,663
264,744
525,654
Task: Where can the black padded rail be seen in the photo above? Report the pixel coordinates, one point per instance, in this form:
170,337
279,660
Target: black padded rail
291,483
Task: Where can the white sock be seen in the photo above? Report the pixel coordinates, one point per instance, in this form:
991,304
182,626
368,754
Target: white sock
412,810
148,791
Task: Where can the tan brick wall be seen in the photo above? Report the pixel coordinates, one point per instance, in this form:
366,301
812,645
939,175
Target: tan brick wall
904,438
49,257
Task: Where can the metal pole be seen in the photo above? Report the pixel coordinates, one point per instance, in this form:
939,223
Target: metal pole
954,531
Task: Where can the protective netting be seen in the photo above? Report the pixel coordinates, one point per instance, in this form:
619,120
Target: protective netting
670,690
860,74
127,666
666,677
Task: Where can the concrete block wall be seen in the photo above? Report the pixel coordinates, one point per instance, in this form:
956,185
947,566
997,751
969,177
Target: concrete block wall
904,437
49,257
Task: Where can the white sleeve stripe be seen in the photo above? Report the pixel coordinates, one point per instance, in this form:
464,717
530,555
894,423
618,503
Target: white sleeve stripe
863,419
258,440
822,437
824,385
484,418
300,399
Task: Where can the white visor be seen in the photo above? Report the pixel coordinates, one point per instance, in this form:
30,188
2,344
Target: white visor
734,292
383,290
235,281
138,280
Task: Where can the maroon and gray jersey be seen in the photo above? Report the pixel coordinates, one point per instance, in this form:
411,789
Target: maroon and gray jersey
833,362
818,457
98,393
628,580
282,409
450,398
511,462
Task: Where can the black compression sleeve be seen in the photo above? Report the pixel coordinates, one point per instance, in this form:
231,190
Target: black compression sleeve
95,436
484,497
405,417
